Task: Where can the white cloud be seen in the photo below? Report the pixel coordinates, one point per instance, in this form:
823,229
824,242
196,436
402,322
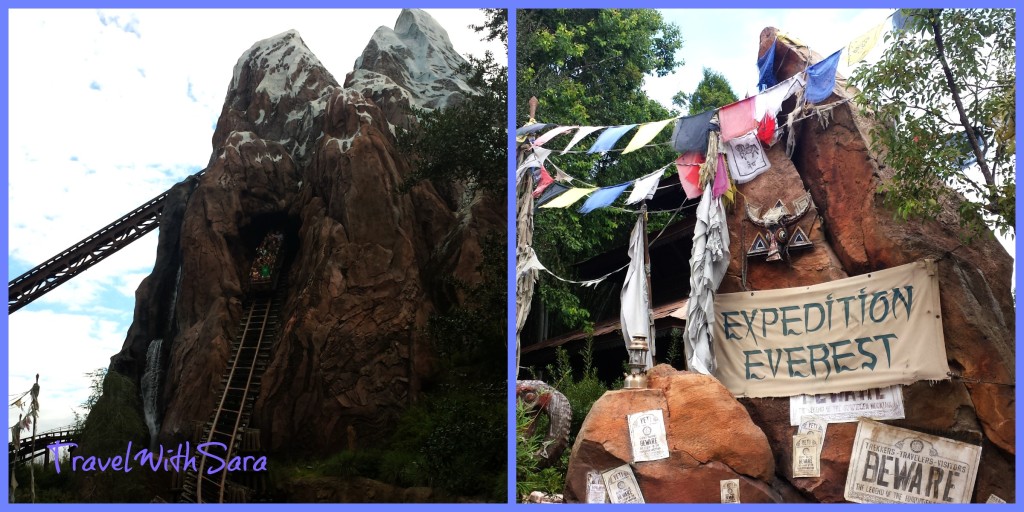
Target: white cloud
108,109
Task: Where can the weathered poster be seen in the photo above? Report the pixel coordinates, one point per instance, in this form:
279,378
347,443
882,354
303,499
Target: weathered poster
814,425
896,465
621,485
647,435
806,455
730,490
992,498
595,488
849,406
877,329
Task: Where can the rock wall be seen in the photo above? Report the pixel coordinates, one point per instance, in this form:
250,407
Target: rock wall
854,233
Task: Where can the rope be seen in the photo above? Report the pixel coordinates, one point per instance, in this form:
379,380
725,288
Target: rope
971,380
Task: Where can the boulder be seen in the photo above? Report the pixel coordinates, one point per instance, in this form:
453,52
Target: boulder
710,437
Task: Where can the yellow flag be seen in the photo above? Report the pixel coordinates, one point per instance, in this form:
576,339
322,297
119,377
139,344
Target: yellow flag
861,46
568,197
645,134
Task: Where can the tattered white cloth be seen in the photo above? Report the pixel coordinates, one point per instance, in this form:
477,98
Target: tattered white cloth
747,159
645,187
635,314
708,263
770,100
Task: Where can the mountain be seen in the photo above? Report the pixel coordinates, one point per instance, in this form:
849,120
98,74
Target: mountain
364,263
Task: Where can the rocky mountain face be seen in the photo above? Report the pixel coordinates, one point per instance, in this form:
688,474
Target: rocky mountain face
853,233
297,152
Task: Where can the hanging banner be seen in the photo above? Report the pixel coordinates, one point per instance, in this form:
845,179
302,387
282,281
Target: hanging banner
896,465
878,329
875,403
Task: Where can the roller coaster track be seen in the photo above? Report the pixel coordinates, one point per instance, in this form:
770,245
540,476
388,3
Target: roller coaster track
89,251
240,386
29,449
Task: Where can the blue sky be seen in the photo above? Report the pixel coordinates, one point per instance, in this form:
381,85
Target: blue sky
107,110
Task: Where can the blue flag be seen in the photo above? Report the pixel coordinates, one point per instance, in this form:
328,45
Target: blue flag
603,197
766,69
821,78
609,137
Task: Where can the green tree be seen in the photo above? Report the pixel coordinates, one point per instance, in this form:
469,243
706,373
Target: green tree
943,96
587,67
712,92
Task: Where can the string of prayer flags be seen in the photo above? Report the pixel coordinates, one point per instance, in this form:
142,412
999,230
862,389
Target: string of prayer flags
604,196
747,158
691,132
737,118
544,182
821,78
552,133
609,137
551,192
859,48
899,20
532,263
568,197
688,167
645,187
646,133
583,132
766,68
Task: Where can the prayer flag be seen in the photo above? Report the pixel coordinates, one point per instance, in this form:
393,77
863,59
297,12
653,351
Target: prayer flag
821,78
737,118
770,100
635,312
609,137
552,133
766,68
584,131
554,190
721,183
603,197
531,128
646,133
859,48
691,133
644,188
747,158
568,197
688,167
543,183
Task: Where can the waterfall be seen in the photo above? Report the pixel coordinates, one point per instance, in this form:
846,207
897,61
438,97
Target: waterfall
151,390
174,301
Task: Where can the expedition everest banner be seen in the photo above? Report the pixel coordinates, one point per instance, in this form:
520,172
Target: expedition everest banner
868,331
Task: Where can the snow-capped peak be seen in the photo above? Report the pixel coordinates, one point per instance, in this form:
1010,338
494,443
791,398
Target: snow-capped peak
418,58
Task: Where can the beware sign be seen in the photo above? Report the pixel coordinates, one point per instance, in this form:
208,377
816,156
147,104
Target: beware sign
896,465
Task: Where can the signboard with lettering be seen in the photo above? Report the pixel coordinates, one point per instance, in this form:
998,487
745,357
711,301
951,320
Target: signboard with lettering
868,331
647,435
895,465
849,406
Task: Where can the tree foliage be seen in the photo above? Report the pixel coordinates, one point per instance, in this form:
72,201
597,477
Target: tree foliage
713,91
943,95
465,142
587,67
